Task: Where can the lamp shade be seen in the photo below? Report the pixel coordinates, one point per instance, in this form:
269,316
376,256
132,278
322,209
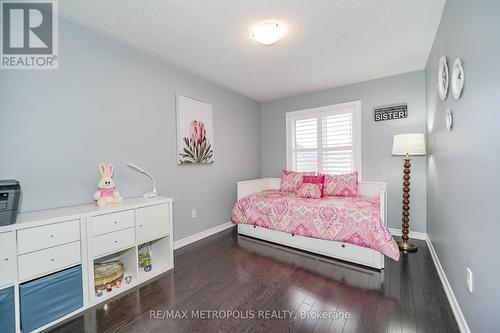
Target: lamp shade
411,144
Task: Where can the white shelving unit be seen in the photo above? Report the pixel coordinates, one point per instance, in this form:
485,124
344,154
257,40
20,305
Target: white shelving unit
92,234
117,230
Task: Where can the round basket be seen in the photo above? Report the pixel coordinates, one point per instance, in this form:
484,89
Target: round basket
107,273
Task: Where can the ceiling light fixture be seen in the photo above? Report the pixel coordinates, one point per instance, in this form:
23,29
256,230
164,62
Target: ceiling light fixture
267,33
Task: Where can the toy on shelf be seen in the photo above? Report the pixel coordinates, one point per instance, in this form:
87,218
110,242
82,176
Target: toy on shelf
145,259
106,192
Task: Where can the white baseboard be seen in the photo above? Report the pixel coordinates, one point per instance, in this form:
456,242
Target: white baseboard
412,234
196,237
455,307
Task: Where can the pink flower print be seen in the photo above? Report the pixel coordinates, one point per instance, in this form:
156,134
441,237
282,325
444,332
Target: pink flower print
197,148
197,132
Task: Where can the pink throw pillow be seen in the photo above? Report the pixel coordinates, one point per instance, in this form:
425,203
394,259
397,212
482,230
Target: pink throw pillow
345,185
291,180
311,187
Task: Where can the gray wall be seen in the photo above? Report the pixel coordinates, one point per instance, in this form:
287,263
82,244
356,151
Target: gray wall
463,177
111,103
377,162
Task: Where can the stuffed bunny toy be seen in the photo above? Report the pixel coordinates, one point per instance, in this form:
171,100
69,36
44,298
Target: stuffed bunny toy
106,192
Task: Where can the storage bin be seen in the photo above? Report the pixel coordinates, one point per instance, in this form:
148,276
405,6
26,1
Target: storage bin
7,311
51,297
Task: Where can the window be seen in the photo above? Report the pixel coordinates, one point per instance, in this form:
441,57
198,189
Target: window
325,139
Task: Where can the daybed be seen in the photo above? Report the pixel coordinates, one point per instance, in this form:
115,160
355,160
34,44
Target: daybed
352,229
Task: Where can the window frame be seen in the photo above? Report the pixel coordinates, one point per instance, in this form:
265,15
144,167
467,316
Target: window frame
318,112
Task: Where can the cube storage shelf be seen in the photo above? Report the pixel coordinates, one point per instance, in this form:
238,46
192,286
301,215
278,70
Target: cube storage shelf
129,260
160,262
86,235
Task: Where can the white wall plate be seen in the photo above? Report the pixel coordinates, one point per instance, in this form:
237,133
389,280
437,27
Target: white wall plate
457,79
443,78
449,120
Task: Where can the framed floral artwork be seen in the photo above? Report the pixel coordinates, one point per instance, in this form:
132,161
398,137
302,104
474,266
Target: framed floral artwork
194,131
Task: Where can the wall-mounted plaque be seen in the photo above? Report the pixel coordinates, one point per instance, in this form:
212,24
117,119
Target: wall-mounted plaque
390,112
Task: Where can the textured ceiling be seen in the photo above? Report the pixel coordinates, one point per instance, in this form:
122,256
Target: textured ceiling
328,42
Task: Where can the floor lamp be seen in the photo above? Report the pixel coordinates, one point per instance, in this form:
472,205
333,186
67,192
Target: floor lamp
407,145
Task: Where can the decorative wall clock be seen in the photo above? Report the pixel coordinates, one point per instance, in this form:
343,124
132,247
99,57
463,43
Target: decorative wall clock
443,78
449,120
457,79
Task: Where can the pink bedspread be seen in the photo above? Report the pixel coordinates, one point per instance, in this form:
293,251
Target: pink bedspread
351,220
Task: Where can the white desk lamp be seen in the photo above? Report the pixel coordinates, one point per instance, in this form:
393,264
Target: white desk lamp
151,194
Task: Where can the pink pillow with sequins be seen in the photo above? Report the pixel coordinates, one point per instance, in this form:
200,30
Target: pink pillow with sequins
291,180
311,187
345,185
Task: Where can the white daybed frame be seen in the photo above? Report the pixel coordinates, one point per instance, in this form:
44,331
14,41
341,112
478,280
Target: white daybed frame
349,252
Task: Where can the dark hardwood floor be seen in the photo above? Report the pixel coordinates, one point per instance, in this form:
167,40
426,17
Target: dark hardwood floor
233,275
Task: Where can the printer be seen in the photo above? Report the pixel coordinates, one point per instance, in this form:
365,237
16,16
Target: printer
10,191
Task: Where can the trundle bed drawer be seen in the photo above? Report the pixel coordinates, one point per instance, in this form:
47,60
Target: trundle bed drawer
330,248
348,251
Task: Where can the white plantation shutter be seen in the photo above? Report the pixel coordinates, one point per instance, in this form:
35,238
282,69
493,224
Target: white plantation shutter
338,142
325,139
305,144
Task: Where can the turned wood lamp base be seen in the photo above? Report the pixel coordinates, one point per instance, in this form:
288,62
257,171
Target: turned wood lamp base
409,144
405,245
